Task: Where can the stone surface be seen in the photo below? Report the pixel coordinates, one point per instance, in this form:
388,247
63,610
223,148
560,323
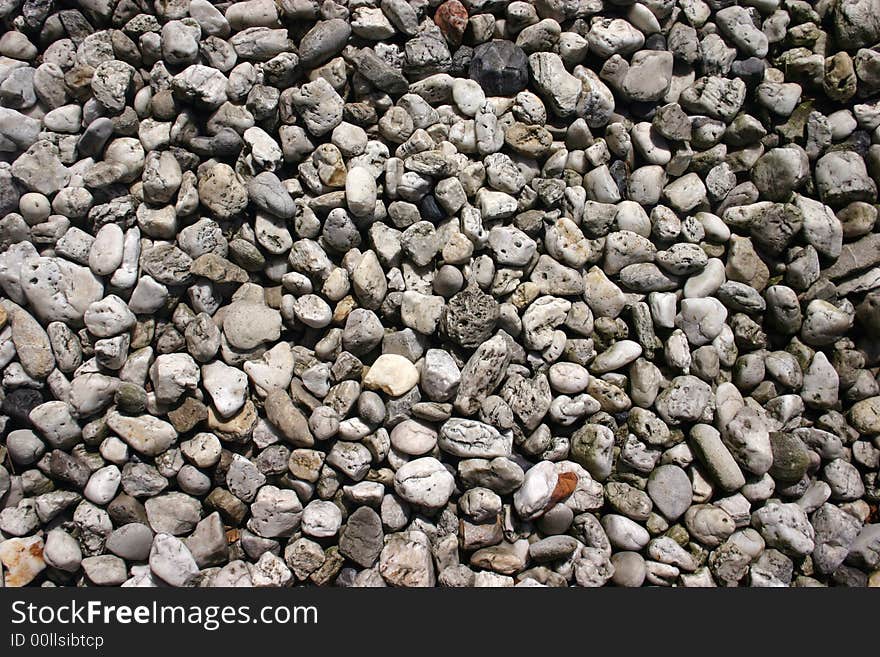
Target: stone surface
439,293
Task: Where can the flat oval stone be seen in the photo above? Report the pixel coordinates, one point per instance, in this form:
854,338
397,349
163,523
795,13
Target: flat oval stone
670,489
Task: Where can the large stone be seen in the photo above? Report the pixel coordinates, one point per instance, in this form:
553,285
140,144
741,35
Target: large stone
248,324
472,439
58,290
469,317
172,562
145,434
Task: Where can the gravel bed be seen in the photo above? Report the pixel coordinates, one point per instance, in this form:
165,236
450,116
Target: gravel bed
466,294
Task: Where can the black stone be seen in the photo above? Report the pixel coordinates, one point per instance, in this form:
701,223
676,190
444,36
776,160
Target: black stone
750,71
461,61
19,404
643,109
68,469
859,141
655,42
430,210
95,136
470,317
500,68
35,12
125,509
226,144
620,174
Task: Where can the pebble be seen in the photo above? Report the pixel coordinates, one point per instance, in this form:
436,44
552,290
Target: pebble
171,561
392,374
424,482
630,569
406,560
276,513
248,324
145,434
361,538
23,560
625,533
711,525
785,527
103,484
499,67
131,541
321,519
227,387
670,490
62,551
413,437
471,438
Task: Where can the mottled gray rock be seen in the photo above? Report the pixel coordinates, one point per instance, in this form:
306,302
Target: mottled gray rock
319,105
786,527
323,41
482,374
470,317
473,439
424,482
670,490
275,512
171,561
361,538
173,513
688,399
406,560
835,532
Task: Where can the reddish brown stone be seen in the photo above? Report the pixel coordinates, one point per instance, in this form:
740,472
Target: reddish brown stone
564,487
452,19
188,415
